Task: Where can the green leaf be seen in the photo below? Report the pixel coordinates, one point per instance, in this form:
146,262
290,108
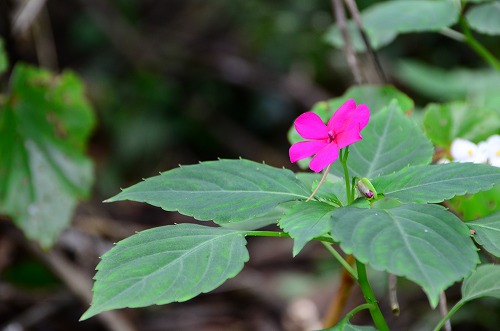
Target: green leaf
445,122
436,183
447,85
257,222
306,221
485,18
487,232
385,20
484,282
4,63
166,264
385,147
222,191
424,243
45,123
478,205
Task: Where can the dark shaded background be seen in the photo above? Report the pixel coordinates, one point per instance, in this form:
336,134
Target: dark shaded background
176,82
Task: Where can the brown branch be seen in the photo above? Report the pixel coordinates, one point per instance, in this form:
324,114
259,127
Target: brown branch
337,305
80,284
353,9
350,55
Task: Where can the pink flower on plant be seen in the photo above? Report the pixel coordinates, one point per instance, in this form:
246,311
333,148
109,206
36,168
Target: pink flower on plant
325,141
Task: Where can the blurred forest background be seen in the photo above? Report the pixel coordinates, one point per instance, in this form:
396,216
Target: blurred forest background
181,81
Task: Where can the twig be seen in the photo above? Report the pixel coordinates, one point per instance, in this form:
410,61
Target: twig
44,41
26,15
443,309
353,9
338,11
81,286
337,305
393,294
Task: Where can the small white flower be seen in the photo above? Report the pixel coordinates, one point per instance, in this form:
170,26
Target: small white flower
463,150
492,148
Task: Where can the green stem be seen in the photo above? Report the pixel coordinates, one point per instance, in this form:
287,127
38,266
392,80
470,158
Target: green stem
282,235
343,160
341,260
377,316
452,311
477,46
356,310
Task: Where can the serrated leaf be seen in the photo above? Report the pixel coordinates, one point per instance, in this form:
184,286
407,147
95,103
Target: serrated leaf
306,221
484,282
436,183
166,264
424,243
485,18
385,147
257,222
222,191
384,21
45,123
445,122
487,232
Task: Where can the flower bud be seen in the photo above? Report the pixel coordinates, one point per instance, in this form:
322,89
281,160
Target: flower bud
366,188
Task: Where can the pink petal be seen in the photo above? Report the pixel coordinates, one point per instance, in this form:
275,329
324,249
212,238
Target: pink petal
347,115
327,155
310,126
303,149
342,115
348,137
348,132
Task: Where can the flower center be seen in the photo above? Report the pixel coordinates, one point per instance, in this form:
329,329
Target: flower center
331,136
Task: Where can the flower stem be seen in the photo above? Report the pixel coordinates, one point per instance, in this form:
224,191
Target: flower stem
377,316
341,260
343,160
356,310
477,46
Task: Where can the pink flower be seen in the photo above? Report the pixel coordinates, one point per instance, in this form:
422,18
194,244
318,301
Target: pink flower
342,130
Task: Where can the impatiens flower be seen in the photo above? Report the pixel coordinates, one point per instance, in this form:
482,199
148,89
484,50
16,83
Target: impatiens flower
463,150
325,141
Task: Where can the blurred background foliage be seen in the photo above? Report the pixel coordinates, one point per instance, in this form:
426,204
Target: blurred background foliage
180,81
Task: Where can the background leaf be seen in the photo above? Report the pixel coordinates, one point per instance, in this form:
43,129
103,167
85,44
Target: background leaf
166,264
436,183
485,18
447,85
4,63
223,191
487,232
478,205
484,282
385,147
384,21
424,243
45,124
445,122
306,221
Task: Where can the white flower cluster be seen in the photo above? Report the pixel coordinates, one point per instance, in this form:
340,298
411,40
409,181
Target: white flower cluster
488,151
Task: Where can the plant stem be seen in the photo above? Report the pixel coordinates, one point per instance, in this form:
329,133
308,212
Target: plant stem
359,308
452,311
377,316
477,46
325,174
280,234
341,260
343,159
